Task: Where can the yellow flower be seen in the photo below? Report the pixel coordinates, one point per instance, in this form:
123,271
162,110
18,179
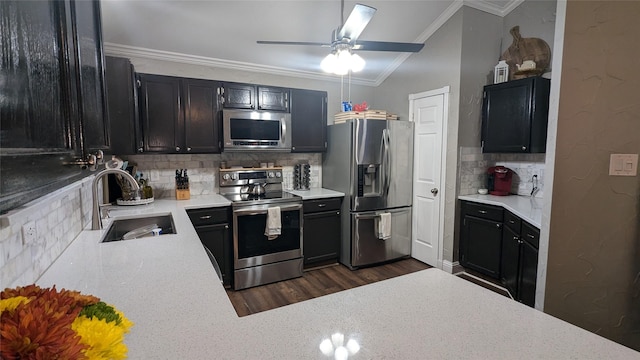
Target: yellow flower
105,339
125,323
12,303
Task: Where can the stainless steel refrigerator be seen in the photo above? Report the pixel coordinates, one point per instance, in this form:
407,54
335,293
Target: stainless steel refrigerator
371,161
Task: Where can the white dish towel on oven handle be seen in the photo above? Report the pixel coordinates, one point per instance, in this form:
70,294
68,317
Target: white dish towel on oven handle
273,228
383,226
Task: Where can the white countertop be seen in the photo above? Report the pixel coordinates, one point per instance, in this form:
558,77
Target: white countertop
527,208
168,288
316,193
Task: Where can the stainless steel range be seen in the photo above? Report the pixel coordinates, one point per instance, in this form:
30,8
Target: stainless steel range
260,259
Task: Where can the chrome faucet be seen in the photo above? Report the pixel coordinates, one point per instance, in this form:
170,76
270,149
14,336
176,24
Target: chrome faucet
96,220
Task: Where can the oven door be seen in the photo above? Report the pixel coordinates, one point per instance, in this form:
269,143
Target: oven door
252,248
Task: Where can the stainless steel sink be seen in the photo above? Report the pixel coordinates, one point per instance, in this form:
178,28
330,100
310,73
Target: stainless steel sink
140,226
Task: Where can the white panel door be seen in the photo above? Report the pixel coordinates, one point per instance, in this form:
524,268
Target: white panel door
428,113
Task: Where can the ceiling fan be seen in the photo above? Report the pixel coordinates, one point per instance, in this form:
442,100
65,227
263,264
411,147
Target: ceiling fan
345,39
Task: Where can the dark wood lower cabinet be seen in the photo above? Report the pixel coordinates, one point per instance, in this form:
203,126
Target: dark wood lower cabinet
322,232
481,239
212,226
497,243
510,260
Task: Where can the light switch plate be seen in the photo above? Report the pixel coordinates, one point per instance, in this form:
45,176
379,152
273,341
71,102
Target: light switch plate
623,165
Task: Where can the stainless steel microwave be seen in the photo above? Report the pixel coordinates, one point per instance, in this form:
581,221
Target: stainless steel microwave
248,130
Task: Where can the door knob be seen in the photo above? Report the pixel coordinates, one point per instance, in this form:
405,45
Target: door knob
434,191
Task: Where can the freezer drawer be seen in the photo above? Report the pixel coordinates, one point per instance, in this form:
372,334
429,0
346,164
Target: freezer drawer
367,248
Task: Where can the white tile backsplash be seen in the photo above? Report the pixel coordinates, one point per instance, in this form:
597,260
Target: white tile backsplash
58,217
474,165
203,169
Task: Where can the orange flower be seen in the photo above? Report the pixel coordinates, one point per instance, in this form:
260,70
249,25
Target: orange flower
41,328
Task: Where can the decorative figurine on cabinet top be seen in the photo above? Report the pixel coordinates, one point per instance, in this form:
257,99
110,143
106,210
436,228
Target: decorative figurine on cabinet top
501,72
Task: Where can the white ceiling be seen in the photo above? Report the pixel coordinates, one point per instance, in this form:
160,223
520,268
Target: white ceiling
224,33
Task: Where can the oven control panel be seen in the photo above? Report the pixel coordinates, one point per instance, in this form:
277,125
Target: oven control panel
235,177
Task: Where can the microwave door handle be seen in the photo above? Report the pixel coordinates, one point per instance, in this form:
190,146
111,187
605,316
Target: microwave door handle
283,129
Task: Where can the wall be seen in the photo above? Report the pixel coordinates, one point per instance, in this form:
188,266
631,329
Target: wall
436,66
594,237
57,217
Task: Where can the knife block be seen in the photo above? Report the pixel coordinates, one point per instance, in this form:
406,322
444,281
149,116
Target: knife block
183,194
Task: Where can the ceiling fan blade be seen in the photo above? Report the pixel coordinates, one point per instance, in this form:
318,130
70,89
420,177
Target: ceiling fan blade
356,22
293,43
387,46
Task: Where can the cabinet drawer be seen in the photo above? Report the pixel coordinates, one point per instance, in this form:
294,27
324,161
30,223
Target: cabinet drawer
530,234
512,222
483,211
208,216
311,206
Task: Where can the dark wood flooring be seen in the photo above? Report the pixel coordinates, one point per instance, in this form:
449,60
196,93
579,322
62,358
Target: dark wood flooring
316,283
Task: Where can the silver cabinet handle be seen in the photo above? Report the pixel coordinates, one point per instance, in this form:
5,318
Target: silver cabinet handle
177,148
524,148
226,226
498,225
531,236
322,205
205,217
482,211
188,149
511,222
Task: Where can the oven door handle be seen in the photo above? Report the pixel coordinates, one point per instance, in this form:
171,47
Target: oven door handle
244,212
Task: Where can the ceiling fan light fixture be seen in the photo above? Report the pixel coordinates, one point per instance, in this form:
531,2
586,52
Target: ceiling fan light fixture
329,63
342,61
357,63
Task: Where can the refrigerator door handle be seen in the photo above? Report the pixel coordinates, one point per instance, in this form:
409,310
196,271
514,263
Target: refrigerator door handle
386,160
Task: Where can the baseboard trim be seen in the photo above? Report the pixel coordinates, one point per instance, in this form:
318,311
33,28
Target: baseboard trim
452,267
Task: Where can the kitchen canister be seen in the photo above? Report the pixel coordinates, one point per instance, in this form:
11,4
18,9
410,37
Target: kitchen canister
301,176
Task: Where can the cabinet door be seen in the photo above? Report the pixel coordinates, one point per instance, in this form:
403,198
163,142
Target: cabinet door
162,120
216,239
239,96
510,260
94,129
528,274
201,118
122,102
515,116
506,117
321,237
308,121
481,245
36,91
272,98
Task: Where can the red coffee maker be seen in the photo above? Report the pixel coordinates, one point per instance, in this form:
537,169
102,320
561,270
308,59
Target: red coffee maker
500,178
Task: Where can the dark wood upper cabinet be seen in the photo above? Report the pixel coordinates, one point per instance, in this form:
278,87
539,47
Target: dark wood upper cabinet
514,116
254,97
308,120
35,107
92,104
122,94
273,98
52,108
202,125
239,96
179,115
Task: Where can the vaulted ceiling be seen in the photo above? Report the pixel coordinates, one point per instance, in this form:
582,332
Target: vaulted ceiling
224,33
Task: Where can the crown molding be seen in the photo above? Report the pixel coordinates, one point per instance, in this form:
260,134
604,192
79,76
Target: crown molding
491,8
145,53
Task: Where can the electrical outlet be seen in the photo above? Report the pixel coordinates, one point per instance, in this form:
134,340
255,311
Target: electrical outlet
29,233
